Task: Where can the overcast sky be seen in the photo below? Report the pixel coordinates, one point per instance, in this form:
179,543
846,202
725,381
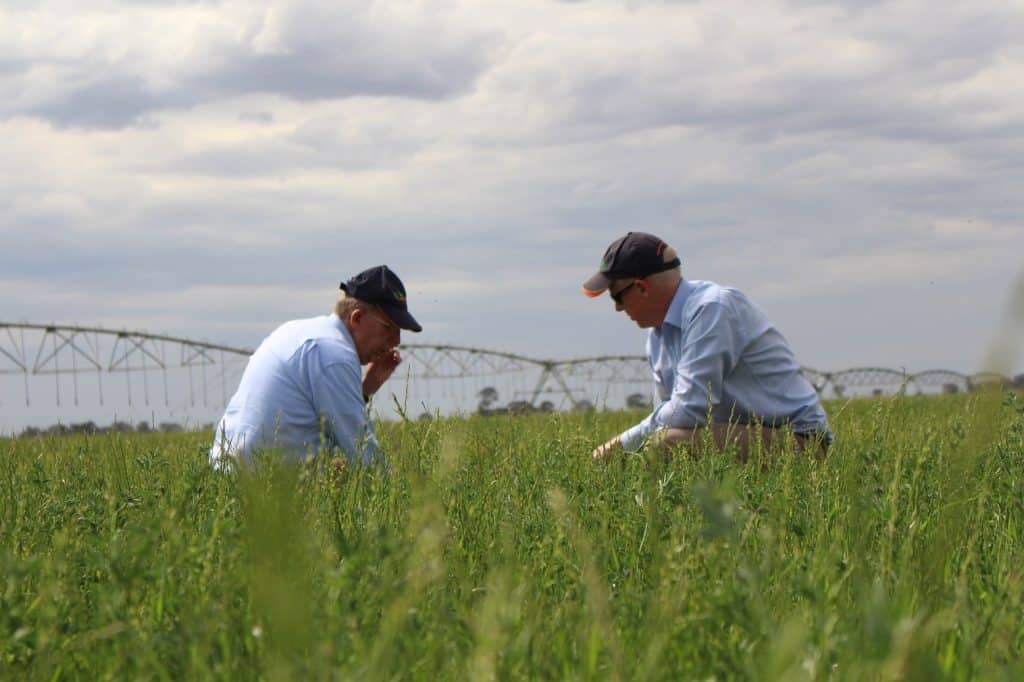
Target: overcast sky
210,170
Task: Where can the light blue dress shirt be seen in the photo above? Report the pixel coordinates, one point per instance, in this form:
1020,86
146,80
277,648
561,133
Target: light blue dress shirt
301,393
717,352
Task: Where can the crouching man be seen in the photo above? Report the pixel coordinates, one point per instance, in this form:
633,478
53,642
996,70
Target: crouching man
304,392
712,352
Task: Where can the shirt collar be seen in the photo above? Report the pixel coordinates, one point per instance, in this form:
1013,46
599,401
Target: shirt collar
674,316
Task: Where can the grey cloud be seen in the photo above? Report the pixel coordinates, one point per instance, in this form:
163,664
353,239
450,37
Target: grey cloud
312,72
786,104
246,161
851,6
217,241
213,241
326,52
363,144
901,93
264,117
109,103
325,143
969,33
162,3
105,265
13,66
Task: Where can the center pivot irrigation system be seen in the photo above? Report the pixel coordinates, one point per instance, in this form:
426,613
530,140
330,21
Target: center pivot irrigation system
55,372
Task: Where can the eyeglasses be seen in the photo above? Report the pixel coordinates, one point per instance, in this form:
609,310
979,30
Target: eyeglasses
387,324
617,296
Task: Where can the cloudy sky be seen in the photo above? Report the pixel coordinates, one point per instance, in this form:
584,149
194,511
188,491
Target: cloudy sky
210,170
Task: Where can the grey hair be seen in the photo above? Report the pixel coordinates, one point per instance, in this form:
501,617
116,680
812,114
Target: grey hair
345,304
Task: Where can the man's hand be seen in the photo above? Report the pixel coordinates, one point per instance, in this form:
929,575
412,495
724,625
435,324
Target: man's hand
380,370
607,450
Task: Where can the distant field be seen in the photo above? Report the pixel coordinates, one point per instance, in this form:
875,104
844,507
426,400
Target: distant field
494,548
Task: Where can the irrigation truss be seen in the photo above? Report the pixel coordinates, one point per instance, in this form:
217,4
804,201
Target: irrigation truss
58,369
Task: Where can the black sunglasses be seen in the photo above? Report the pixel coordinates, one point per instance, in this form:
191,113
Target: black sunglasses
617,296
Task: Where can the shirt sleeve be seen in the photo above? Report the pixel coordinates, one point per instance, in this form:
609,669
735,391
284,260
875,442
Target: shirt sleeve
709,346
338,399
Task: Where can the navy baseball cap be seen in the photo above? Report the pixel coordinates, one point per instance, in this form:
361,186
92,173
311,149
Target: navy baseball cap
381,287
634,256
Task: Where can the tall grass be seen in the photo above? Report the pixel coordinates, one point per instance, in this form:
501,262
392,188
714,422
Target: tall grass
494,548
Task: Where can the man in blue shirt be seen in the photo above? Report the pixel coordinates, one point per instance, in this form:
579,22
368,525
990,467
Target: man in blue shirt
713,354
304,392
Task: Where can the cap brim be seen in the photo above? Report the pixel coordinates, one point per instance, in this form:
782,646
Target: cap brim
596,285
401,317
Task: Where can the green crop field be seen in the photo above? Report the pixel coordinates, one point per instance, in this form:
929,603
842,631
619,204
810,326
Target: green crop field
494,548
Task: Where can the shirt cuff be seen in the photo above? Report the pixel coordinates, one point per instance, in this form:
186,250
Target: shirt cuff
633,438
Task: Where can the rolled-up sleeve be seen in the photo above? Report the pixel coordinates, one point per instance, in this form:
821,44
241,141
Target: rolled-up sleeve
707,352
338,399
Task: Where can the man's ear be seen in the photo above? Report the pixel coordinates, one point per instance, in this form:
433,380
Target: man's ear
644,286
356,315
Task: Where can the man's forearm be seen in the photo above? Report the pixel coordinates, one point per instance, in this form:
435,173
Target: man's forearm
717,437
607,450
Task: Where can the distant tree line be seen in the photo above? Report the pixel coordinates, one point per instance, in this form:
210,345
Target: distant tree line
89,428
488,398
488,405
